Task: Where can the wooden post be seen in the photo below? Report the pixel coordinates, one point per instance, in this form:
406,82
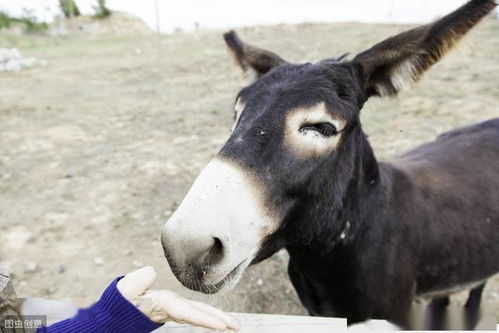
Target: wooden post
158,25
9,306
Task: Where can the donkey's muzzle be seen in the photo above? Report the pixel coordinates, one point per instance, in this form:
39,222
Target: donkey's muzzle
217,229
193,257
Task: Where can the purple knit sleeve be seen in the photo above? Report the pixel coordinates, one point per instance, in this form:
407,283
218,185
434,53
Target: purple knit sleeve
112,313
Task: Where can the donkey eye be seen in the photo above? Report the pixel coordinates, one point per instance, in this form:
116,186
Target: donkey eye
325,129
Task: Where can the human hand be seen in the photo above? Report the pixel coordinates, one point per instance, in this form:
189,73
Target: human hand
161,306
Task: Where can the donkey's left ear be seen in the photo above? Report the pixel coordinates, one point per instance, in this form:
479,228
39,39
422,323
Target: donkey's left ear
401,60
254,61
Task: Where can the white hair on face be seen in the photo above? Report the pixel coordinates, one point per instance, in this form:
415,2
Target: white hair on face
311,143
238,108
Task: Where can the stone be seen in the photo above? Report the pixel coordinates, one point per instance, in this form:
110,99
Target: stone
30,267
137,264
98,261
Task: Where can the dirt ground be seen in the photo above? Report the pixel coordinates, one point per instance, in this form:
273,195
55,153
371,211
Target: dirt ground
98,147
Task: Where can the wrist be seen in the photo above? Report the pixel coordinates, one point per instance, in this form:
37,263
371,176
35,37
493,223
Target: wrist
121,315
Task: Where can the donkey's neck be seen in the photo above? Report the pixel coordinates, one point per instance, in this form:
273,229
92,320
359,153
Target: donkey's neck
328,272
366,211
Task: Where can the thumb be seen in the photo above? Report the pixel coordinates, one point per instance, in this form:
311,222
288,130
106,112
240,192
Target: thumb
136,282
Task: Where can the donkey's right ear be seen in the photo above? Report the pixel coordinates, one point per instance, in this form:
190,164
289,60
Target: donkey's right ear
254,61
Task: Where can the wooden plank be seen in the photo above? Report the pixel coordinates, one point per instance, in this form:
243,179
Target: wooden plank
264,323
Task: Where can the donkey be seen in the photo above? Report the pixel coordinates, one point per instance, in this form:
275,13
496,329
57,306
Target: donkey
364,237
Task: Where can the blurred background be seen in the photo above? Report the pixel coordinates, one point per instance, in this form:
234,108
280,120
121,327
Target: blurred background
109,109
189,15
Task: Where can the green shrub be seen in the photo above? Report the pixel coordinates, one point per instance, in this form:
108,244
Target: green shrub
5,20
30,22
69,8
101,11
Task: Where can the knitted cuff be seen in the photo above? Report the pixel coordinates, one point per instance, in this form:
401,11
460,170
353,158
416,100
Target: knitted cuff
111,314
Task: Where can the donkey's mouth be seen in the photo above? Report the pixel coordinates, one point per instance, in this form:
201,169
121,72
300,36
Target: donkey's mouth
230,279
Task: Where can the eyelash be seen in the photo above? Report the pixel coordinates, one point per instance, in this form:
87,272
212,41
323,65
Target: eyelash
325,129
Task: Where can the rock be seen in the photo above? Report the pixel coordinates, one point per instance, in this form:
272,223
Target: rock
11,60
127,252
30,267
137,264
98,261
259,282
61,269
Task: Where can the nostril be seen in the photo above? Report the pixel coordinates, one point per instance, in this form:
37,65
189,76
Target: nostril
218,246
216,251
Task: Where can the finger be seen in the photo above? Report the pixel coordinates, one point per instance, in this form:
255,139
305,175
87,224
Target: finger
155,304
182,311
230,320
136,282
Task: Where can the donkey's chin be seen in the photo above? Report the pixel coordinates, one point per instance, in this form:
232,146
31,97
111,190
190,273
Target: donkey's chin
223,284
229,281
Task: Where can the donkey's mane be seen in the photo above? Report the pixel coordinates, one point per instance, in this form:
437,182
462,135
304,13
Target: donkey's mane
338,59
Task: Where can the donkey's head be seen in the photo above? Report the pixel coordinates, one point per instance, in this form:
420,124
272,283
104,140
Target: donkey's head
297,153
